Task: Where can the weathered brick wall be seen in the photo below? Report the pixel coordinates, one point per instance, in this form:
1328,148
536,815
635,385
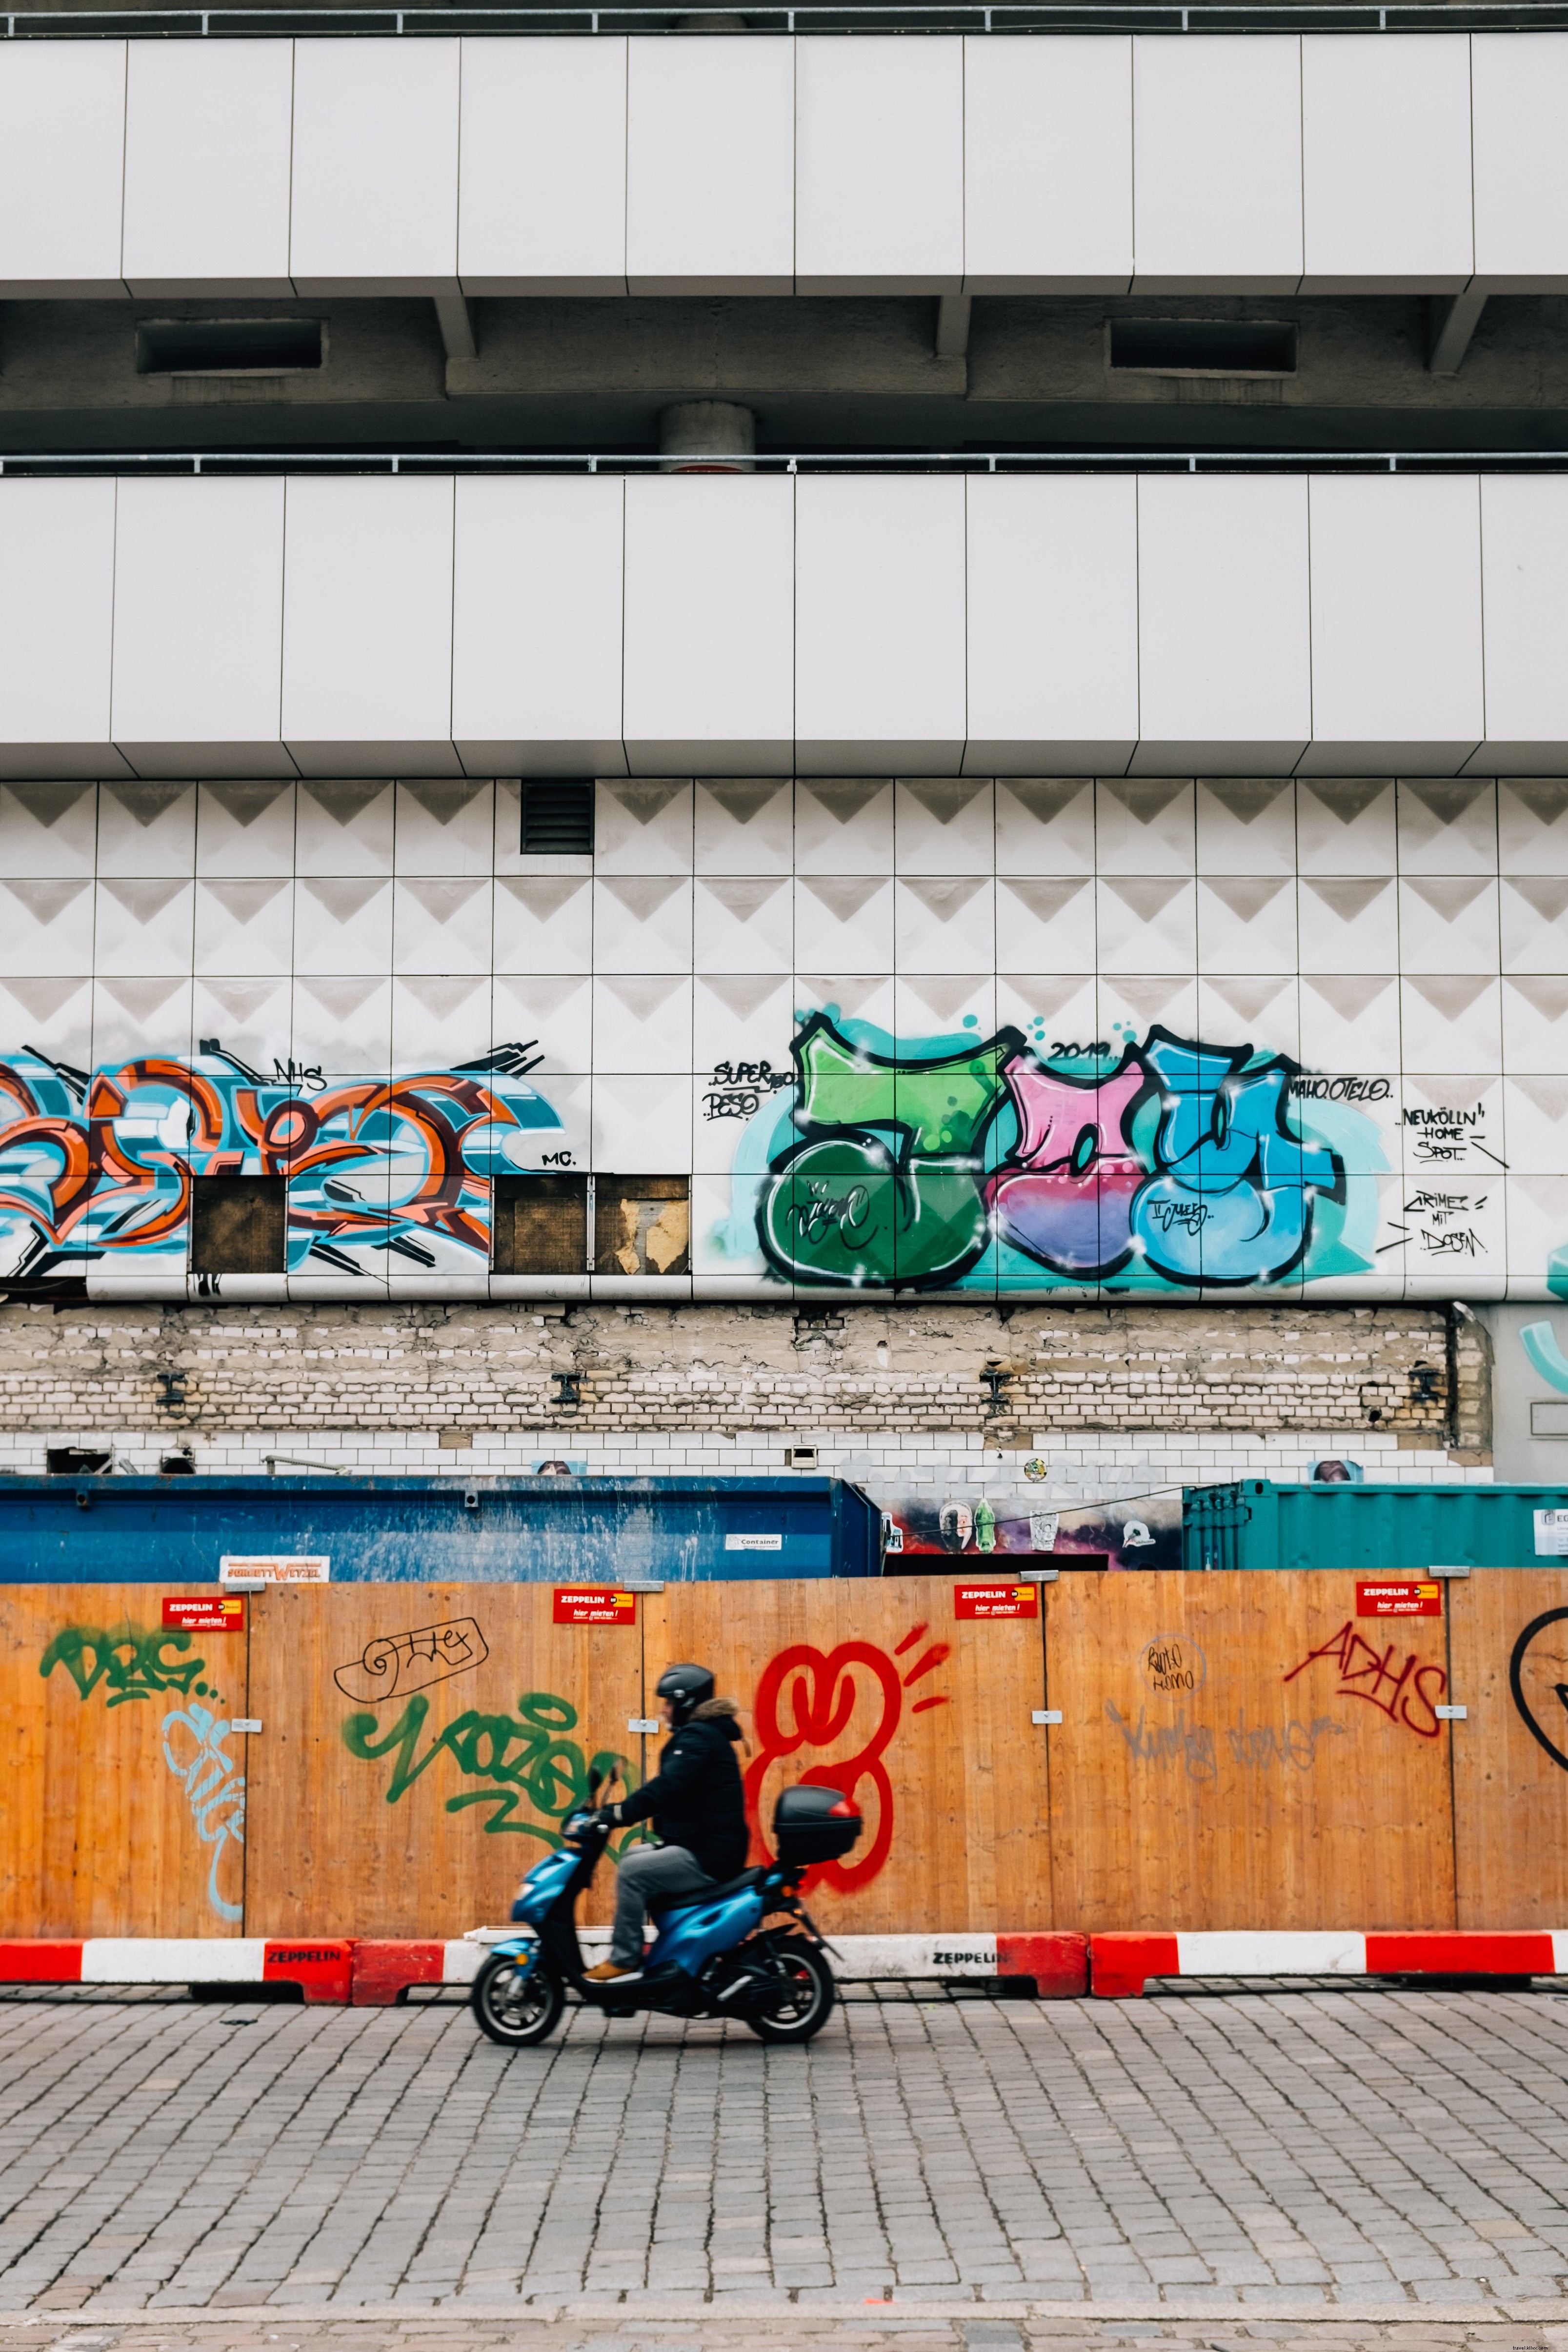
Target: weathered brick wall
736,1367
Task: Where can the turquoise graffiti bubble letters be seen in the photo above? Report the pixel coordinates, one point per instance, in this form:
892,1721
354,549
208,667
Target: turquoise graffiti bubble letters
1230,1200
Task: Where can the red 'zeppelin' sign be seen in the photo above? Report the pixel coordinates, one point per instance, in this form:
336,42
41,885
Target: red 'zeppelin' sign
594,1604
218,1615
1398,1596
995,1599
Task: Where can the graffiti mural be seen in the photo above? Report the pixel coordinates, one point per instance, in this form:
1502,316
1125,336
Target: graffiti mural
1170,1161
383,1174
525,1758
137,1661
848,1700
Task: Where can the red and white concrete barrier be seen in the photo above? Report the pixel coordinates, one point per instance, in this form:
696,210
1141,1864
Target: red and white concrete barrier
1121,1965
324,1969
1058,1963
374,1970
371,1970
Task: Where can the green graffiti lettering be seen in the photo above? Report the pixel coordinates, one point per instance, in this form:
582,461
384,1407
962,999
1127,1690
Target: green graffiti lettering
943,1105
130,1659
849,1206
522,1754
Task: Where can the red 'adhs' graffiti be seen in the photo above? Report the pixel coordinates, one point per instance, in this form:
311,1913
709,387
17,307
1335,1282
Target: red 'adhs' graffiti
808,1698
1400,1693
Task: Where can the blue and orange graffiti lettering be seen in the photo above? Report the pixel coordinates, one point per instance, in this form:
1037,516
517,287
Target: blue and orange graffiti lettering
383,1173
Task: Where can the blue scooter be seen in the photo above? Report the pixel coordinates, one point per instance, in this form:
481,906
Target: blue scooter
711,1956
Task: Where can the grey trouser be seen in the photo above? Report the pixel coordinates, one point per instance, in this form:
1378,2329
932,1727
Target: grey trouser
648,1876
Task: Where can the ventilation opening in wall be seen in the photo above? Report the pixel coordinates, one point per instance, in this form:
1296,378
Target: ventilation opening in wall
557,817
228,346
238,1224
539,1225
1202,346
78,1461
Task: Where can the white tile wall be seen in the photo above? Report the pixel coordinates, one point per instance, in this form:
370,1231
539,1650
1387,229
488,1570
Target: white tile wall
1081,1470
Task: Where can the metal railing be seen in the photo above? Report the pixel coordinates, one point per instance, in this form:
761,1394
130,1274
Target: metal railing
890,16
137,463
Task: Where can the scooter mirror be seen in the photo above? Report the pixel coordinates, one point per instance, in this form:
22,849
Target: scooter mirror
594,1777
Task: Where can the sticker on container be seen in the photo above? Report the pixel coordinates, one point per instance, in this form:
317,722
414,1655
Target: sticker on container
1398,1596
217,1614
754,1543
995,1599
594,1604
1551,1535
275,1567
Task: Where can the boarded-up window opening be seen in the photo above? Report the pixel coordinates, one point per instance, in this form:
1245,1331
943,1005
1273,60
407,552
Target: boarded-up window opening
238,1224
540,1224
642,1225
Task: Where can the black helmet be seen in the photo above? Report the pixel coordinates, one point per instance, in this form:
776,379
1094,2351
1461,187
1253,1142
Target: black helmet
686,1688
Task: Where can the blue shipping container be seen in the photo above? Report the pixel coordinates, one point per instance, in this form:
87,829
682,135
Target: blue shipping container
124,1531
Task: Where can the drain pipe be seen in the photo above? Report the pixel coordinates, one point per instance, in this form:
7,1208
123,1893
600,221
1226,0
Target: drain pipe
707,436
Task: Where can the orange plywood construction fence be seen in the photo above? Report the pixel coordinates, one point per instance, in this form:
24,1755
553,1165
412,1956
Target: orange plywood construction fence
1155,1753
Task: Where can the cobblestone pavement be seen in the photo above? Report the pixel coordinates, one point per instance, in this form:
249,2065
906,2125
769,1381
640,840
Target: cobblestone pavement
1289,2156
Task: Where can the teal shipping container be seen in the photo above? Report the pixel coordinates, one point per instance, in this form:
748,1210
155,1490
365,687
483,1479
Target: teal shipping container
1257,1523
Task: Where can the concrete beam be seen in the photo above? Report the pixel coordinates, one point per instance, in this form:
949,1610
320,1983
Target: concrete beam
953,325
456,322
1451,322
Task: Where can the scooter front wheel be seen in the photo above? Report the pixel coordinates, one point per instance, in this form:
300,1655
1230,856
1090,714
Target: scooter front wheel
795,2000
517,2005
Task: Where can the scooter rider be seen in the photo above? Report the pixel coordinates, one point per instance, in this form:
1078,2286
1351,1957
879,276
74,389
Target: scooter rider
696,1803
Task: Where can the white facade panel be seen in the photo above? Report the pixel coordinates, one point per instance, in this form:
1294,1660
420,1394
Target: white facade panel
543,167
1396,626
1225,653
1052,621
367,626
198,628
1048,164
880,166
1524,590
536,626
57,616
62,155
1520,96
879,625
1385,153
375,167
1214,118
710,166
709,658
208,134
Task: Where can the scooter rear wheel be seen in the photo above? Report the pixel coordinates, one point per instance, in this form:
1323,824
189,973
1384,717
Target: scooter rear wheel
802,2002
516,2007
